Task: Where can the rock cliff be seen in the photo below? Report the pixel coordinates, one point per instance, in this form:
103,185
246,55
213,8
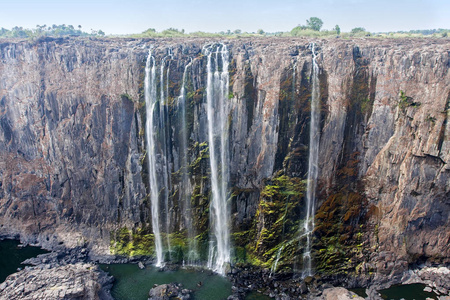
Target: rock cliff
73,158
73,281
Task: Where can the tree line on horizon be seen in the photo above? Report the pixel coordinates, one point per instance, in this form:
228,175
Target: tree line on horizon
44,30
312,28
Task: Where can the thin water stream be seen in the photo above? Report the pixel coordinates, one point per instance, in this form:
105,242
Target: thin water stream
314,139
150,105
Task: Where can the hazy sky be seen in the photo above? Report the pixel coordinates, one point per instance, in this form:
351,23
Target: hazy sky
135,16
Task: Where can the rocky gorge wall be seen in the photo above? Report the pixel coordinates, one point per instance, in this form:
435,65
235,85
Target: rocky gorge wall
73,158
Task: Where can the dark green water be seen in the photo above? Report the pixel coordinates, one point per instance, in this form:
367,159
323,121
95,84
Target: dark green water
257,296
133,283
11,256
407,292
397,292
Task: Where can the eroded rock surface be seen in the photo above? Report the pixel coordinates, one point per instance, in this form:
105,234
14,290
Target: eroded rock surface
73,281
72,150
169,291
338,293
437,279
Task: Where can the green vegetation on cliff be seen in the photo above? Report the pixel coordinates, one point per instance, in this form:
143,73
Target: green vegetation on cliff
128,243
275,227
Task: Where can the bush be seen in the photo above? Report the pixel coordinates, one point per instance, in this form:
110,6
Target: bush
358,30
307,32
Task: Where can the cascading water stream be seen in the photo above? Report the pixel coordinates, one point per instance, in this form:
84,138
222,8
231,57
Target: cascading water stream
273,269
163,118
314,139
193,256
150,104
217,112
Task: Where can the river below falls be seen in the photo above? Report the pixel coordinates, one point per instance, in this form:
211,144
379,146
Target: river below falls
12,254
134,283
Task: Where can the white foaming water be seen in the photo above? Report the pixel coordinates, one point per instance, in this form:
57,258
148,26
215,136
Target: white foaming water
163,119
217,112
314,139
150,103
273,269
192,257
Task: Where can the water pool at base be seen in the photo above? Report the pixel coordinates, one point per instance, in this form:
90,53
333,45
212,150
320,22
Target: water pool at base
401,292
11,256
134,283
407,292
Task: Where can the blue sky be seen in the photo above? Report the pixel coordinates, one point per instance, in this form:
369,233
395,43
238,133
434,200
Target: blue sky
135,16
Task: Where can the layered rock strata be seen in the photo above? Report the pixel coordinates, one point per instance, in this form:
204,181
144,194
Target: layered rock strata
73,153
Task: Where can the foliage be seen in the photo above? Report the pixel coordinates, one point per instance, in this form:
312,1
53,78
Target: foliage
276,222
359,32
51,31
169,32
337,29
140,242
173,32
406,101
205,34
366,105
358,29
149,31
421,32
312,29
314,23
339,232
125,242
126,96
307,32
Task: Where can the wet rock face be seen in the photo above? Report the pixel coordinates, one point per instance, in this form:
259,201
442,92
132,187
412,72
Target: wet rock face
73,158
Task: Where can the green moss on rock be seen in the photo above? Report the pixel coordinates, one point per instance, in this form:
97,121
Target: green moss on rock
276,222
128,243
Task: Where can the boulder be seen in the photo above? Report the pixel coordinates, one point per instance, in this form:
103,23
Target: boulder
169,291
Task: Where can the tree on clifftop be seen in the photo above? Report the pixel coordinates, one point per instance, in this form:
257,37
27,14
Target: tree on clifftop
314,23
337,29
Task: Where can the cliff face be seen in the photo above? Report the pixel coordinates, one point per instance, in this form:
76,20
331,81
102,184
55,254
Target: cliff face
69,140
73,165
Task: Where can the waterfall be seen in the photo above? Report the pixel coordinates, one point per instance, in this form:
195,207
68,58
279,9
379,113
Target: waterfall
163,119
150,103
217,113
192,257
273,269
314,138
